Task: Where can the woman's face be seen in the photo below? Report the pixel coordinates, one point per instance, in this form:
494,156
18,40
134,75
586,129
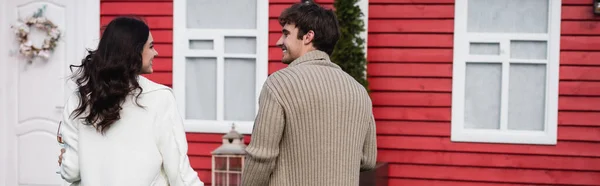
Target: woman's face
148,55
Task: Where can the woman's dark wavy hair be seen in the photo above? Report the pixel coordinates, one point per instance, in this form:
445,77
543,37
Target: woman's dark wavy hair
109,74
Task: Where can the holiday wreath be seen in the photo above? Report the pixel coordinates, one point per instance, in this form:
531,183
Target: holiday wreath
22,29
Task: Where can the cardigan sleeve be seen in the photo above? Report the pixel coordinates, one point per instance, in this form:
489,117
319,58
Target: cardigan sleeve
172,145
69,169
369,157
263,150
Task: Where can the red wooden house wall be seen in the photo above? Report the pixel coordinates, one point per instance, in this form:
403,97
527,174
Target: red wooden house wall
410,70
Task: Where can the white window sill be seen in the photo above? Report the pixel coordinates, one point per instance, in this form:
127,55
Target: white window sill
512,137
221,127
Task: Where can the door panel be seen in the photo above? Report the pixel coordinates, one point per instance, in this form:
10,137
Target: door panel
36,91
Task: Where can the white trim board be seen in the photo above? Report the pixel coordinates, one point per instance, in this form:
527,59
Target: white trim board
3,96
461,55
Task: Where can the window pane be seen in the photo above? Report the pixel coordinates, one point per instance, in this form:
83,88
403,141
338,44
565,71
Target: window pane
527,94
200,88
235,163
221,14
235,179
201,44
482,95
484,48
221,163
528,49
240,75
240,45
220,179
526,16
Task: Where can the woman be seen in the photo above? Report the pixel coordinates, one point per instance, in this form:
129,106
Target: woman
121,129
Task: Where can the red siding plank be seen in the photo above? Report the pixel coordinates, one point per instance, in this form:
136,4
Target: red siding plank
578,13
412,113
410,40
411,11
579,58
411,26
275,66
201,162
577,2
579,73
202,149
580,43
579,118
442,129
409,55
409,70
274,26
160,64
416,128
562,148
162,22
410,84
443,114
523,176
489,160
162,36
210,138
275,54
205,176
579,88
136,8
591,134
164,50
273,37
580,27
579,103
411,99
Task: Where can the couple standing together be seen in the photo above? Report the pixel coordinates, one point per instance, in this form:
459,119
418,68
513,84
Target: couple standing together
314,125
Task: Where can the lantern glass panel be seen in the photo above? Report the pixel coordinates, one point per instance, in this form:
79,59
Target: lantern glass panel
235,179
220,163
235,163
220,179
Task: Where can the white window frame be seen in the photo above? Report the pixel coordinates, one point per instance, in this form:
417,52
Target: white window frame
461,54
181,37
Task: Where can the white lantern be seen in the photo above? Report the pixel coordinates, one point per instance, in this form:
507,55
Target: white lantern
228,160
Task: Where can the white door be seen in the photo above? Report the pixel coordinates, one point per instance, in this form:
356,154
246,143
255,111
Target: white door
32,94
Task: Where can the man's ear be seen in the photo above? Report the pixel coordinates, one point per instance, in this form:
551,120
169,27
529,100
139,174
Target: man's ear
308,37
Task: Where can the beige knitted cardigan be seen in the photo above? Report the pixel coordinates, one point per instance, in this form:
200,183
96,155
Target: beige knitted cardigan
314,126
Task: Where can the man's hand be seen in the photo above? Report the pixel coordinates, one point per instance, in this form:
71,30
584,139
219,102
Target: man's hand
60,156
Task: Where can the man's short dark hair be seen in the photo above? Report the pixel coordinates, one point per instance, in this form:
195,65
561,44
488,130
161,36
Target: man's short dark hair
310,16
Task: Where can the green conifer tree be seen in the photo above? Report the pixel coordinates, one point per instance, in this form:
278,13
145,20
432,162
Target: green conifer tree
348,52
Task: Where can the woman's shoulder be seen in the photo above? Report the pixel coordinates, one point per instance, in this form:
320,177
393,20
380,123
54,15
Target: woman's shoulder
160,94
149,86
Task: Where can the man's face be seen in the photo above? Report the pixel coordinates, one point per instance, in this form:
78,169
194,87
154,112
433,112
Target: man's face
291,46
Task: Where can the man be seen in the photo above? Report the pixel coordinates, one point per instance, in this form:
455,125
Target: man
315,124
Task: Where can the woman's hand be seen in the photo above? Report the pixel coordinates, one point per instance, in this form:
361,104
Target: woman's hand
60,156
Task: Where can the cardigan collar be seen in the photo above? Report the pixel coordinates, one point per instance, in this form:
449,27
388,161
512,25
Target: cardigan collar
315,55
